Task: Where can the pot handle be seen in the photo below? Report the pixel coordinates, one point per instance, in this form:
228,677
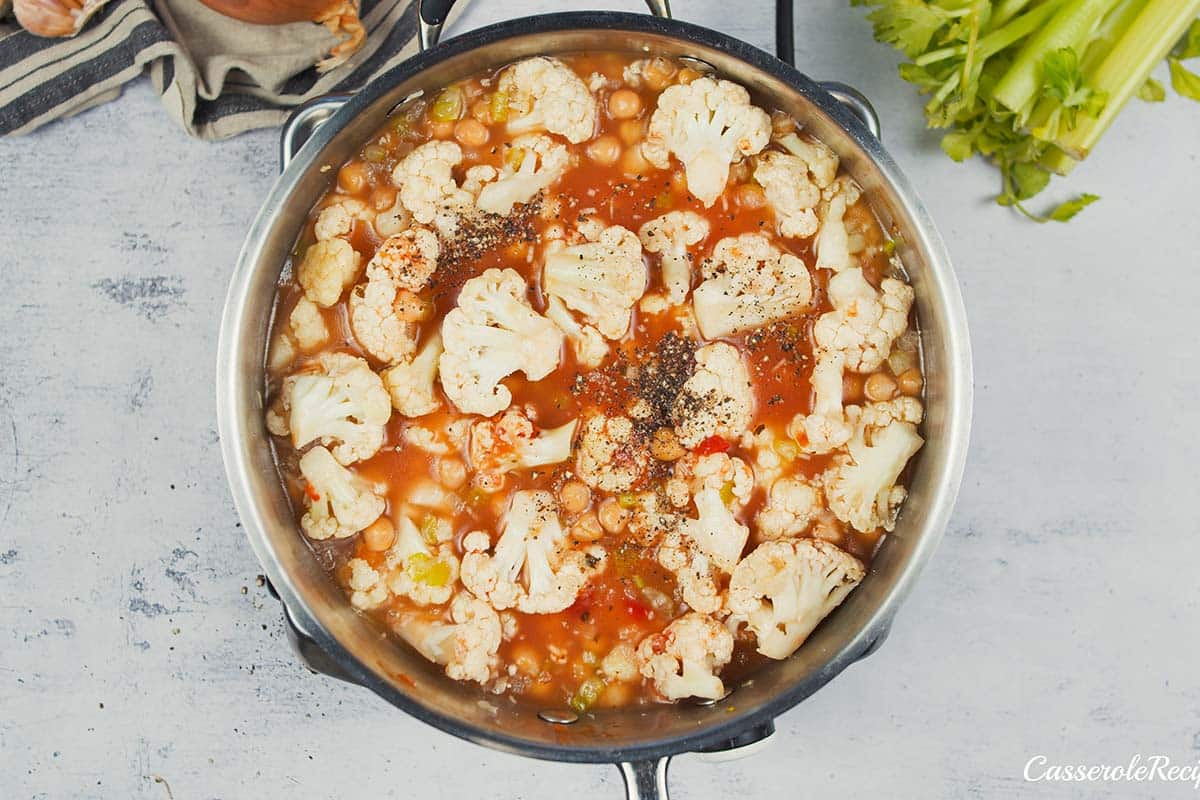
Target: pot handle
432,14
645,780
856,103
303,121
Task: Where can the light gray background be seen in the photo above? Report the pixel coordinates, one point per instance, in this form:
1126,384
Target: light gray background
1060,616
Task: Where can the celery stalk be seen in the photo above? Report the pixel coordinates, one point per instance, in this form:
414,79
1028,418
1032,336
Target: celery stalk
1070,27
1129,63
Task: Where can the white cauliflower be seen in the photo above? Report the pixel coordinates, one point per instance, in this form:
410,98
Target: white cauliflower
391,221
407,259
684,659
822,162
790,191
425,178
327,268
784,588
308,326
825,429
368,589
531,165
545,94
861,484
492,333
422,568
696,575
749,282
336,398
337,219
864,322
620,664
708,124
340,503
531,567
466,643
411,385
511,442
763,446
587,343
792,506
729,475
600,279
378,319
833,244
716,532
670,236
610,456
717,400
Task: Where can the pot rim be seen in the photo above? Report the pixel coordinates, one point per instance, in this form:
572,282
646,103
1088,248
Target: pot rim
945,290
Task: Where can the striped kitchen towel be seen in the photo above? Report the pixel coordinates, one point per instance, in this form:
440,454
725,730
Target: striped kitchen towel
217,77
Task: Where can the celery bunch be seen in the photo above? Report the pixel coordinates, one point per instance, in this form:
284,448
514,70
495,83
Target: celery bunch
1033,84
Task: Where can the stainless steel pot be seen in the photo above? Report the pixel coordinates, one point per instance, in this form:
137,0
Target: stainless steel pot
334,639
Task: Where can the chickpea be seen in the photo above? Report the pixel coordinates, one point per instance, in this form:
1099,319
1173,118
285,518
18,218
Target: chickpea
441,129
612,517
587,529
470,132
624,104
614,694
409,307
910,381
852,388
750,196
658,73
353,177
687,75
605,150
526,659
481,111
574,496
633,162
383,197
679,182
379,535
451,472
630,131
665,446
880,387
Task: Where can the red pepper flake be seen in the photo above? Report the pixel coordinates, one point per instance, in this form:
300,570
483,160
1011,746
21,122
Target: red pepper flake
312,492
637,610
713,444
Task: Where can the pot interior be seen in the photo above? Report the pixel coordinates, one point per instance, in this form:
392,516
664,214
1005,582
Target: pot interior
399,674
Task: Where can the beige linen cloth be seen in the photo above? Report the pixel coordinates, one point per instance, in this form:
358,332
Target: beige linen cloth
216,76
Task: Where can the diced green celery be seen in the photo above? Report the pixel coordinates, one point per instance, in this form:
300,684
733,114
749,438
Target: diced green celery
587,694
448,106
498,106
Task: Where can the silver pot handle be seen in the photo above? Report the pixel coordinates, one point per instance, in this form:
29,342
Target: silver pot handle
303,121
432,14
856,103
645,780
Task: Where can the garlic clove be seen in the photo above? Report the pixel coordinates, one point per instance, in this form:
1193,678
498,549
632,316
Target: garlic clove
55,18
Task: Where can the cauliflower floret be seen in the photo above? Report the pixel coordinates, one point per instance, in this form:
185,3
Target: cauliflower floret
684,659
531,567
832,246
600,279
492,333
589,346
531,165
337,398
861,484
670,236
308,326
784,588
411,385
696,575
545,94
863,323
822,162
407,259
610,457
466,644
367,587
620,664
764,448
716,532
790,191
327,268
707,124
717,400
427,189
391,221
421,568
825,429
340,503
378,317
792,506
748,283
509,442
729,475
338,218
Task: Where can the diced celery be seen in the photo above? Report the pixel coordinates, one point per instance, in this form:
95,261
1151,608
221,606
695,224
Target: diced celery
587,694
448,106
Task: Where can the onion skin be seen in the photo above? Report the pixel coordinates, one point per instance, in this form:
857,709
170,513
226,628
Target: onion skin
339,16
55,18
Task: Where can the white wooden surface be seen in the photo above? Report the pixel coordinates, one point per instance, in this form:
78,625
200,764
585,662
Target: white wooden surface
1061,615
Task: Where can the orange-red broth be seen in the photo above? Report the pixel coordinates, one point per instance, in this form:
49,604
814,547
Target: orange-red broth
555,653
